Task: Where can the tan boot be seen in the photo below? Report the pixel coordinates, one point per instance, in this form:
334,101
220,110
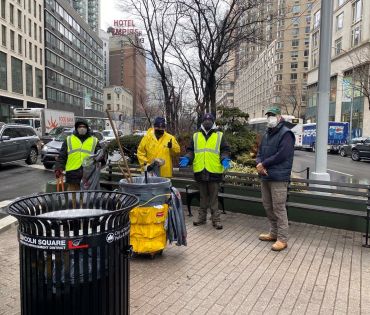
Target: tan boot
278,246
267,237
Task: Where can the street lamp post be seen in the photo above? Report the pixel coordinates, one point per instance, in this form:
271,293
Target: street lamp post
321,157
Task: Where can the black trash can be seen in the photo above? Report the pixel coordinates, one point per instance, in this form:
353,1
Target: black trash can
74,252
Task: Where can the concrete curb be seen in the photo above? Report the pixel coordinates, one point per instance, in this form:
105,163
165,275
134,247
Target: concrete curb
8,221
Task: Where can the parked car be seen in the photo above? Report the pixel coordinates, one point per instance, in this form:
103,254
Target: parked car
54,133
18,142
361,150
346,149
109,134
50,151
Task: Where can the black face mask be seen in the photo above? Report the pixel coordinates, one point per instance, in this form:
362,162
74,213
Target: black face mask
158,133
207,125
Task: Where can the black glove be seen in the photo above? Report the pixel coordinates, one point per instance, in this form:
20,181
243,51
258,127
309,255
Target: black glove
169,144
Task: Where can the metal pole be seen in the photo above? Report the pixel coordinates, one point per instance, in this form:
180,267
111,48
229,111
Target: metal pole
326,26
351,111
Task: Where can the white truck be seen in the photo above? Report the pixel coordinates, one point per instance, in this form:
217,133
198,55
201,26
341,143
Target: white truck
43,119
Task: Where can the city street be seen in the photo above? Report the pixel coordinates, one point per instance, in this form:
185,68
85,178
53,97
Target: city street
341,169
18,179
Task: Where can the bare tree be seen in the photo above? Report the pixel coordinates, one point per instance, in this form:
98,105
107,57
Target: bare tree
292,100
160,21
209,32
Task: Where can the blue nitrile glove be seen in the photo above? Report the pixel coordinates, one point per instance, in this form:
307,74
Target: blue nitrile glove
226,163
184,161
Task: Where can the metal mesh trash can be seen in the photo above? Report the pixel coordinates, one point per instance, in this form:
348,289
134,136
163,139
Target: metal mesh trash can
74,250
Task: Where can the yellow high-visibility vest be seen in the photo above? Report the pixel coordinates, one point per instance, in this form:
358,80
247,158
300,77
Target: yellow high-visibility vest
78,151
207,153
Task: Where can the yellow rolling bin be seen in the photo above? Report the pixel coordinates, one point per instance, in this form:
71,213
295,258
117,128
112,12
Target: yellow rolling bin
147,233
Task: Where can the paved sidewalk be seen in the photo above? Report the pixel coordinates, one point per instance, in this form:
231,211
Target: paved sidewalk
323,271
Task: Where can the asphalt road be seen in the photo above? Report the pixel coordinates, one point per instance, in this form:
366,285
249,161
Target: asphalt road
341,169
19,179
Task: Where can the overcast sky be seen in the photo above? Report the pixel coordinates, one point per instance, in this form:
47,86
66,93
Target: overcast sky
110,12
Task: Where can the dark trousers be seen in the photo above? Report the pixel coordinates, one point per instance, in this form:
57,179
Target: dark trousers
209,199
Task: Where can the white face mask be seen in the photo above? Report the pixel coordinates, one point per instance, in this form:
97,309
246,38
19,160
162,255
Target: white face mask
82,131
272,121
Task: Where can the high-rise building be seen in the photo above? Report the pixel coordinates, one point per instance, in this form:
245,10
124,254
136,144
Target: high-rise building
89,10
127,68
290,62
74,62
104,36
350,65
21,56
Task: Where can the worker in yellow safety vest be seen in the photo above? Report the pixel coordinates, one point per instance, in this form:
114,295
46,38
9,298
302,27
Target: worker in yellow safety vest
76,147
158,144
210,155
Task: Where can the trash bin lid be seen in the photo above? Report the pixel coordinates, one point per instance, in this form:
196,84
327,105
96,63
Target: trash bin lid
73,213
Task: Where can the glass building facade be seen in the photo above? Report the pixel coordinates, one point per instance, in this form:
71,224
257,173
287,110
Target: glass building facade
74,62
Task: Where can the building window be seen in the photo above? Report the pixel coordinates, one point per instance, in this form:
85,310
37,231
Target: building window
315,39
30,50
306,52
19,16
295,42
294,54
306,41
3,71
3,35
314,59
296,9
305,64
40,13
39,85
109,107
35,30
20,44
340,2
279,56
356,11
295,31
316,19
279,45
279,77
293,76
34,8
307,29
295,20
17,76
109,96
40,56
11,13
11,40
356,35
29,27
339,21
294,65
338,46
29,80
3,8
40,34
35,53
308,19
29,6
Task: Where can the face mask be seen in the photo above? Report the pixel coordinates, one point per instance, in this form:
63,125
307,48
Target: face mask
158,133
82,131
272,121
207,125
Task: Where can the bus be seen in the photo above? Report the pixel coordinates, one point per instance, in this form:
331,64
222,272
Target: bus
259,125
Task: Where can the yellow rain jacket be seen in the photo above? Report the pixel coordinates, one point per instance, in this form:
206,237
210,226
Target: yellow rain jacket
151,148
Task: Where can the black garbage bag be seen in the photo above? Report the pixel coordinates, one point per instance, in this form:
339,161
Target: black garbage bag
91,171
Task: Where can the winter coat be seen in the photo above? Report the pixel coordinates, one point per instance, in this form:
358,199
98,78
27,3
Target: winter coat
72,177
151,148
205,176
276,153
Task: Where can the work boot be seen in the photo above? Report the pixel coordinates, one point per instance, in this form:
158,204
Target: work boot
279,246
267,237
217,225
197,223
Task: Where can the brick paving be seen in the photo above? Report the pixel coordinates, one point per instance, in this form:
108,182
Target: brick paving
324,271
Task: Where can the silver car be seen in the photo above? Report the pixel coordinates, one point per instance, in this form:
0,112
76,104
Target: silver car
18,142
50,151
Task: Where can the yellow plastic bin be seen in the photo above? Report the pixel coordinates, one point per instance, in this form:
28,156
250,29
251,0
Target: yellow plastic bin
147,233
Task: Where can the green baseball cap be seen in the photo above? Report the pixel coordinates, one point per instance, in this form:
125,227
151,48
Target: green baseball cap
273,110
